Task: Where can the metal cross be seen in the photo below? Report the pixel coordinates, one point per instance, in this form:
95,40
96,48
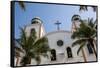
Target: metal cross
58,23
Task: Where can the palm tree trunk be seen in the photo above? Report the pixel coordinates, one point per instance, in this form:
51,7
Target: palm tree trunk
29,60
17,61
91,42
94,51
95,43
84,56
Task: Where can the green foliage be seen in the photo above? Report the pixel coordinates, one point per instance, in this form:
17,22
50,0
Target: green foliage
84,34
24,61
17,51
82,7
85,8
33,47
22,4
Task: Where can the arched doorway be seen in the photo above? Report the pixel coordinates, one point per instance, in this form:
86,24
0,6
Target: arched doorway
53,55
69,52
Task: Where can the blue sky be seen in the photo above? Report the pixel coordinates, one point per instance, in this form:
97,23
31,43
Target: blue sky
49,14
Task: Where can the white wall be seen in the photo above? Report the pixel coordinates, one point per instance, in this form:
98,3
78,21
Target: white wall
65,36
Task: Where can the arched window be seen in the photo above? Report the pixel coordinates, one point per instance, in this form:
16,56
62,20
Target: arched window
53,55
69,52
32,31
90,50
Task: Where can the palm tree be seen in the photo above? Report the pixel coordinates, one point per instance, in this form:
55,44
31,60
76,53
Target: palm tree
85,34
85,8
33,47
17,54
82,7
21,4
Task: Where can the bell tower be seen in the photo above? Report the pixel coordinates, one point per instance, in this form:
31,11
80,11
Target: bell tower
75,22
37,26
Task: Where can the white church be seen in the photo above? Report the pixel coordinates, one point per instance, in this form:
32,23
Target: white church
61,44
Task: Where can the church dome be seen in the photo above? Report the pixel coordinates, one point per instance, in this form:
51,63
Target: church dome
76,18
36,20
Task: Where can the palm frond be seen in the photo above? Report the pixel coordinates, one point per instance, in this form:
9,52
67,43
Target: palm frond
30,41
75,35
24,61
17,54
86,29
24,39
38,59
45,55
41,42
94,8
33,47
83,7
79,41
81,46
19,49
84,33
22,4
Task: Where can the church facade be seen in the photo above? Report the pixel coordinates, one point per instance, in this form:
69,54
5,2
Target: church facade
60,43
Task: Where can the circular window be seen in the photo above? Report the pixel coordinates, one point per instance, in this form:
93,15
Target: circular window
59,42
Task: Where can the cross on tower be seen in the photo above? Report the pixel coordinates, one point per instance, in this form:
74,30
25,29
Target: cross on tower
58,23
